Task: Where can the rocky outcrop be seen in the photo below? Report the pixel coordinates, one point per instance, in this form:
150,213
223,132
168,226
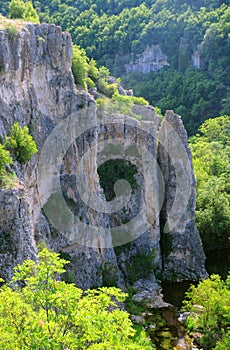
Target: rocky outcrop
182,251
139,236
16,230
151,59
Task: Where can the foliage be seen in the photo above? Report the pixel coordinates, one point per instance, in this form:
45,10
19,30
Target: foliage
16,8
129,99
79,66
47,313
11,30
193,94
141,266
114,32
30,14
107,89
109,275
209,307
211,159
24,10
20,143
112,171
5,159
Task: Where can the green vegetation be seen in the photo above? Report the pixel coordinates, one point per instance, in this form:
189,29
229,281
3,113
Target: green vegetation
79,66
109,275
11,30
211,160
5,160
209,305
113,32
129,99
20,143
141,266
47,313
24,10
112,171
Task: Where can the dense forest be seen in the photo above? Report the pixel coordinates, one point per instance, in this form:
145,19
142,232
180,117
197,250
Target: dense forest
114,32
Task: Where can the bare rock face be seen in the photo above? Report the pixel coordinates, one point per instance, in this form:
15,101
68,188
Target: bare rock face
182,252
151,59
16,231
37,89
144,232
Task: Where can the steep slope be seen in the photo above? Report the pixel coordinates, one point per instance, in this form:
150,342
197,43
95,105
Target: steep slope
58,198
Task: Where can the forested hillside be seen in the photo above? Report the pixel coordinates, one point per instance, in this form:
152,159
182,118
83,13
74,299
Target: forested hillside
116,31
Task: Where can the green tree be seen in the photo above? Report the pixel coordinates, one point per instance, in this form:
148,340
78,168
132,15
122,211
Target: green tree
47,313
79,66
20,143
17,8
209,306
25,10
30,14
211,159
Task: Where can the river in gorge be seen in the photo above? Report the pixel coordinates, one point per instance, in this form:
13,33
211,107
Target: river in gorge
171,333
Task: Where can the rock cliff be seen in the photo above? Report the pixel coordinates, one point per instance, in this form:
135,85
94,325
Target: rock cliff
151,59
145,233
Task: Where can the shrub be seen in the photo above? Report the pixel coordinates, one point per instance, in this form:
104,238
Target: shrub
24,10
130,99
139,101
107,89
20,143
90,83
79,66
47,313
4,160
208,304
11,30
17,8
30,14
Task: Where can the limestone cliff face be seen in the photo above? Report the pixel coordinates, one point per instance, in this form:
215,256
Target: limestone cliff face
58,198
151,59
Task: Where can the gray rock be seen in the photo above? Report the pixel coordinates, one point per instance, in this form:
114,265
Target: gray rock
37,89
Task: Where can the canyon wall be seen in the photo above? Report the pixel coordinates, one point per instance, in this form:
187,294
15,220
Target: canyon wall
144,234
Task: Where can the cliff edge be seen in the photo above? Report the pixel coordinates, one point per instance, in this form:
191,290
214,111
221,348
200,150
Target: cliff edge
147,232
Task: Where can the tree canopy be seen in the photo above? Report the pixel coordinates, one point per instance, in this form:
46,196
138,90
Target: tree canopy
39,311
114,32
211,160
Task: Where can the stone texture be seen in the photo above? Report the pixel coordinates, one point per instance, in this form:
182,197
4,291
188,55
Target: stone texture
151,59
37,89
183,256
16,231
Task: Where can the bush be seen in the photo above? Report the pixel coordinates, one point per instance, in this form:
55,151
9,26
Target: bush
24,10
139,101
90,83
79,66
107,89
47,313
20,143
130,99
30,14
17,8
4,160
209,308
11,30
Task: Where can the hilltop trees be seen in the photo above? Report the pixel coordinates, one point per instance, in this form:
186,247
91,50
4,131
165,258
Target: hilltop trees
24,10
